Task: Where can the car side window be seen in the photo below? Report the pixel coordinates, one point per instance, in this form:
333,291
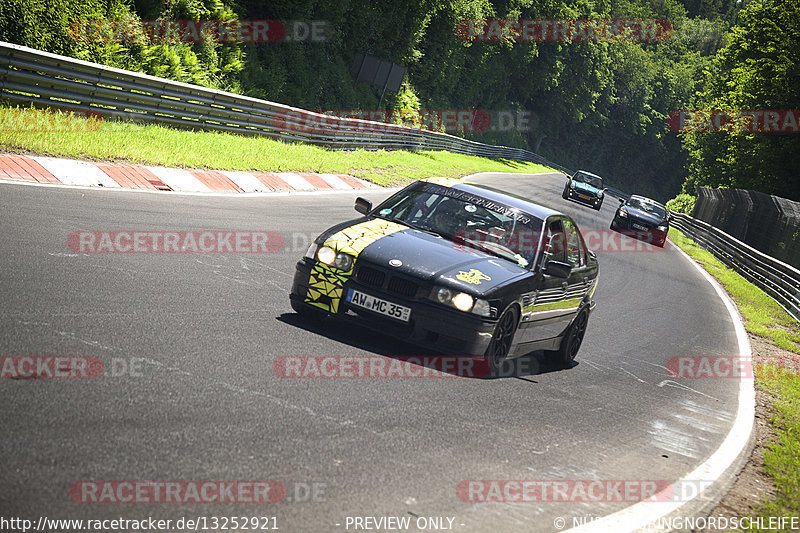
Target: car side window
576,255
556,244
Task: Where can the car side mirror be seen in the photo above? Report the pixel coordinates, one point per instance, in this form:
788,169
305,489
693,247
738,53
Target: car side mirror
621,201
558,269
363,205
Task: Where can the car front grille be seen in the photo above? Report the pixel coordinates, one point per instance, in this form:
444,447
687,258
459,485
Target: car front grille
403,287
374,277
370,276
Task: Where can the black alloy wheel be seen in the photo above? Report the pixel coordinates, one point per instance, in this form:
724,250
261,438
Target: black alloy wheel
502,338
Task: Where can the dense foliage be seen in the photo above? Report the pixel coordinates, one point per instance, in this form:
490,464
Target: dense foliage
683,203
64,27
601,106
758,70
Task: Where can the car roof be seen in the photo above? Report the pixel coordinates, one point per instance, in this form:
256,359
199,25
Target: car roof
646,199
510,199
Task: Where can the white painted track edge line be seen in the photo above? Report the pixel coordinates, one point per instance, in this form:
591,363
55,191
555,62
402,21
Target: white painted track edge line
644,514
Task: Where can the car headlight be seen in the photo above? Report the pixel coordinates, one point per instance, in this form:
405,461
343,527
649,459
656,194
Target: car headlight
331,257
572,185
662,229
461,301
343,261
443,295
312,250
326,255
623,213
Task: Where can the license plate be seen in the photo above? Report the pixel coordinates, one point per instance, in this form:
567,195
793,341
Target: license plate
639,226
584,197
378,305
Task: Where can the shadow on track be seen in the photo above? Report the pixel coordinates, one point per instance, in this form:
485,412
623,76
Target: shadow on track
363,338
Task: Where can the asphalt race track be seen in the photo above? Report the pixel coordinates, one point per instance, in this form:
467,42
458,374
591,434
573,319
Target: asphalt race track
191,340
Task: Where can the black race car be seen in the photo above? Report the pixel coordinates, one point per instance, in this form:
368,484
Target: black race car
586,188
642,218
459,268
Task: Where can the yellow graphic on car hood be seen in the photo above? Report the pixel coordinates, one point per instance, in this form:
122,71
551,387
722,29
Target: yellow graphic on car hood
354,239
325,283
474,276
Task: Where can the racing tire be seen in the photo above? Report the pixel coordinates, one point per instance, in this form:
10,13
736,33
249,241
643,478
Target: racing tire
614,224
502,337
565,192
571,342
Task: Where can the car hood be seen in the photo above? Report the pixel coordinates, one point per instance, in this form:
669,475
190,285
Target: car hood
654,220
585,187
438,260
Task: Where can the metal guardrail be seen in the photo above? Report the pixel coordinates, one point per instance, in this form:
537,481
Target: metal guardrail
779,280
42,79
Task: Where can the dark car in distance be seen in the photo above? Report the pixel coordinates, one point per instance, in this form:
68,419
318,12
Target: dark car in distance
642,218
586,188
458,268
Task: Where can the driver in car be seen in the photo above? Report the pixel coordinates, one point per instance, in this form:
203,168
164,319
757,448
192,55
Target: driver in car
448,218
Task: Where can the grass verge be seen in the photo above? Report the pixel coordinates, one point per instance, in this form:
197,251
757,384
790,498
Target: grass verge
765,318
68,135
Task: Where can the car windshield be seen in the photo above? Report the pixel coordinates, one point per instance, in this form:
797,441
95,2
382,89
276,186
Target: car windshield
648,206
594,181
503,232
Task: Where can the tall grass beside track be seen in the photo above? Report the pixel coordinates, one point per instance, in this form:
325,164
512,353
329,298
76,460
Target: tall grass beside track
68,135
765,318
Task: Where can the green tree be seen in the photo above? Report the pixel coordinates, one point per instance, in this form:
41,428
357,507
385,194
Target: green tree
758,70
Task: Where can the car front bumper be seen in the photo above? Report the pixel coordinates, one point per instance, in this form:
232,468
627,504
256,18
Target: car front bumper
431,325
626,225
588,199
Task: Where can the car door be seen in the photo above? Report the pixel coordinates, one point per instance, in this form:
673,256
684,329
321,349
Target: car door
581,278
548,311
